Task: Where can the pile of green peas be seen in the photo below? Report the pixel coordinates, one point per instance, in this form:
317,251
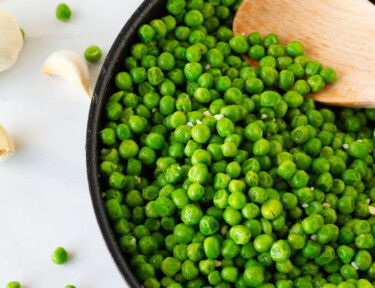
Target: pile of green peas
218,174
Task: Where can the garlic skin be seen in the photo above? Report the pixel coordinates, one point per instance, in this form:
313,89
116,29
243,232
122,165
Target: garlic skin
7,148
70,66
11,40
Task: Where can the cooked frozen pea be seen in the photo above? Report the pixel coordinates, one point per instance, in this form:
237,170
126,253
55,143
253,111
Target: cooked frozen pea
13,284
59,256
218,177
63,12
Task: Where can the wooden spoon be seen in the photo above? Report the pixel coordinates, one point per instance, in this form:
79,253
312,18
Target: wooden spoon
338,33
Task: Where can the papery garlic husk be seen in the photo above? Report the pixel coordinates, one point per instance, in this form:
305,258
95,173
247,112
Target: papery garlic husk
70,66
11,40
7,148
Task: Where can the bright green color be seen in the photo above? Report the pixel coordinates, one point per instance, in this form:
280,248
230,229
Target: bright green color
93,54
59,256
218,174
63,12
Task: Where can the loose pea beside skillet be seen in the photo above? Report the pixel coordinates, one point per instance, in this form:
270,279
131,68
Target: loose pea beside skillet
217,174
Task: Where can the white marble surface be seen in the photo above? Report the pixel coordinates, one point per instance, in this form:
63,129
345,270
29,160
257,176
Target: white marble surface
44,197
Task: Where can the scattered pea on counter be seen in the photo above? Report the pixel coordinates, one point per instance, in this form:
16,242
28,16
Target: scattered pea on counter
93,54
13,284
63,12
59,256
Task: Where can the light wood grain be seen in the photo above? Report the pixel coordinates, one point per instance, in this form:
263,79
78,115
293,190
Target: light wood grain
338,33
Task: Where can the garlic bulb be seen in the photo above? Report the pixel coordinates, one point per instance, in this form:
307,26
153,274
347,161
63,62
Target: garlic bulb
6,145
70,66
11,40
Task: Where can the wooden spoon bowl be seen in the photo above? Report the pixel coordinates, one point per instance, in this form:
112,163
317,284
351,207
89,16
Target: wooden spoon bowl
338,33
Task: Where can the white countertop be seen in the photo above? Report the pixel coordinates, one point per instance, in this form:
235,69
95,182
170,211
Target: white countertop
44,196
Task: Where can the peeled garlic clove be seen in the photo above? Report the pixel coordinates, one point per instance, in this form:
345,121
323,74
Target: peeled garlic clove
70,66
7,148
11,40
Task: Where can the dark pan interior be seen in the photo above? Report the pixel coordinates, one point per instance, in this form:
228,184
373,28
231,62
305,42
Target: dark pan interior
114,63
149,10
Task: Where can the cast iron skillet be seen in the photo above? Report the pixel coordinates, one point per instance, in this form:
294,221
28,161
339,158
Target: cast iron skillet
149,10
114,63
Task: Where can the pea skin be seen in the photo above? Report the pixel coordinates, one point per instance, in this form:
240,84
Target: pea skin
59,256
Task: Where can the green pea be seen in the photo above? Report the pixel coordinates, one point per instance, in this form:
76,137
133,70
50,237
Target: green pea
254,86
269,99
283,62
123,81
263,243
200,133
254,38
271,209
229,274
302,60
329,75
147,245
365,241
224,127
232,216
239,44
269,75
267,61
287,169
198,173
312,223
170,266
312,249
214,278
138,51
280,251
363,260
229,149
313,68
14,284
297,70
296,241
155,76
276,50
295,48
302,87
193,71
164,207
257,52
166,62
301,134
208,225
261,147
211,247
357,150
193,18
63,12
202,95
233,96
270,39
253,276
146,33
117,180
240,234
93,54
59,256
222,83
160,28
286,79
316,83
